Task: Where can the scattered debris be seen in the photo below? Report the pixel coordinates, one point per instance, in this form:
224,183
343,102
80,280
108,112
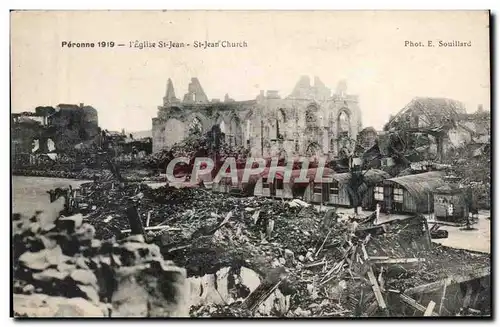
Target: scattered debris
350,268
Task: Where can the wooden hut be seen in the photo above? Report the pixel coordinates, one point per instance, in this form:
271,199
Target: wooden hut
340,192
411,193
221,187
450,203
277,187
366,189
327,193
287,189
316,192
226,185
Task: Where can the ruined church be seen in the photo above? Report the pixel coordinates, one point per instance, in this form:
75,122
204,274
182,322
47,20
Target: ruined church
311,121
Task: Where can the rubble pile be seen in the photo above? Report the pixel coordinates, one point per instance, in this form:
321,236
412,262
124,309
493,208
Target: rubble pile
191,217
44,173
209,144
428,262
217,310
440,262
206,231
158,159
87,174
318,264
59,257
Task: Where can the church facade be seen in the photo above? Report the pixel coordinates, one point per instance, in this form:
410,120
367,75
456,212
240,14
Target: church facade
311,121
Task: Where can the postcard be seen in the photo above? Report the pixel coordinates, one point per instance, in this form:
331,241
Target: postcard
244,164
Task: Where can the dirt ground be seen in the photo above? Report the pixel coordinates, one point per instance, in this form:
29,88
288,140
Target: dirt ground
30,193
475,240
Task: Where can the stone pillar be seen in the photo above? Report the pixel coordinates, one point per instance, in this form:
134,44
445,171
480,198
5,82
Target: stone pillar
335,148
326,141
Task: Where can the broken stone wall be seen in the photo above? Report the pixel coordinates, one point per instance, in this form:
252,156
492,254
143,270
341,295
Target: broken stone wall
195,93
57,257
267,119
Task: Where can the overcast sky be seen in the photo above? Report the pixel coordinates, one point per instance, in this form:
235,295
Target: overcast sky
367,49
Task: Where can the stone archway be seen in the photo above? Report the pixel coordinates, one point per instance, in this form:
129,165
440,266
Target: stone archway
222,126
235,132
311,116
312,132
343,122
196,126
281,124
281,152
247,126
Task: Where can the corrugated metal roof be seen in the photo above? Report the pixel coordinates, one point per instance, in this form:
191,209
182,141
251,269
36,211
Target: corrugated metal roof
420,185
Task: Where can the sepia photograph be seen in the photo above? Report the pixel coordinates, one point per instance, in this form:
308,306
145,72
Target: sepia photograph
250,164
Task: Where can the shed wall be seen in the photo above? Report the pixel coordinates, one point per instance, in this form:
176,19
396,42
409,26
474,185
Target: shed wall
460,209
285,193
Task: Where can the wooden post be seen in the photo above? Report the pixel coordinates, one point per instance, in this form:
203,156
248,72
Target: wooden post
428,202
442,298
376,290
430,308
452,279
414,304
149,218
135,221
321,202
262,137
428,232
270,228
365,254
115,170
468,295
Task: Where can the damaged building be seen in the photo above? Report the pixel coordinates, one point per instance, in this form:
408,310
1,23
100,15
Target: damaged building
310,121
51,129
440,125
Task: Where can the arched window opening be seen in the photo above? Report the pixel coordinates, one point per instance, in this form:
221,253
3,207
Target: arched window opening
222,131
343,132
283,154
222,126
248,132
313,149
343,122
230,135
282,115
234,132
196,126
280,124
311,116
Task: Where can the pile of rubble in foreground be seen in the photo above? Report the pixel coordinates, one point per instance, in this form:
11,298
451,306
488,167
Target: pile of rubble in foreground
60,269
309,264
